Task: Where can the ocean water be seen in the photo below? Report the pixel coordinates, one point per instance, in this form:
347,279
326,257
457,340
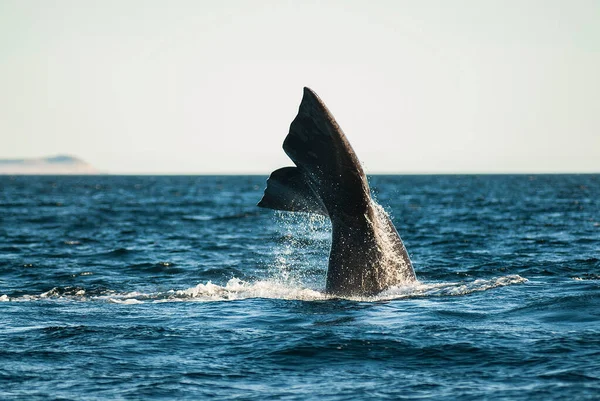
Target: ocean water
166,287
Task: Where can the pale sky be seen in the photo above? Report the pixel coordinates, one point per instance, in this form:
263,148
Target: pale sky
211,87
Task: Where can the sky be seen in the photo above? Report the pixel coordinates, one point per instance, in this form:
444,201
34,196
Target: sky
422,86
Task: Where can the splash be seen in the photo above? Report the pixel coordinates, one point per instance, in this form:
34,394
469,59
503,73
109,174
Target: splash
449,289
300,258
392,265
236,289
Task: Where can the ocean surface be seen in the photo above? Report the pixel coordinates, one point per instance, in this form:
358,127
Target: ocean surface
179,287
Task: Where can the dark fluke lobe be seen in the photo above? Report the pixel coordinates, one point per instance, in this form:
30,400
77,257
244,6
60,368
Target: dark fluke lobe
367,255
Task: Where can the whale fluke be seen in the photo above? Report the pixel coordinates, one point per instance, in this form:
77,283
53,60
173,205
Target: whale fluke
367,254
288,189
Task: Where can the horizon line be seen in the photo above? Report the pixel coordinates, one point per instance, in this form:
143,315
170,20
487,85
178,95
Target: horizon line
100,173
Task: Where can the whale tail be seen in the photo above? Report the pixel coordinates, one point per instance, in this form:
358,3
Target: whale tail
288,189
367,254
327,169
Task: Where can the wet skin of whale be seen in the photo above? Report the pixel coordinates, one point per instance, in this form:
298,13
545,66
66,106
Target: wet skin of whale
367,255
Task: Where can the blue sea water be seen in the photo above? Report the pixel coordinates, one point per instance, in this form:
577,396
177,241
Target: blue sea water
167,287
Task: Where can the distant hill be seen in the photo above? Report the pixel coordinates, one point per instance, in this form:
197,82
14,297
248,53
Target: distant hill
61,164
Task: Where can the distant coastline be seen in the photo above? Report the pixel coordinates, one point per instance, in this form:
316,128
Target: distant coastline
60,164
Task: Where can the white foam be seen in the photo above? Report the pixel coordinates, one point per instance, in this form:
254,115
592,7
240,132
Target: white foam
130,301
449,289
236,289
